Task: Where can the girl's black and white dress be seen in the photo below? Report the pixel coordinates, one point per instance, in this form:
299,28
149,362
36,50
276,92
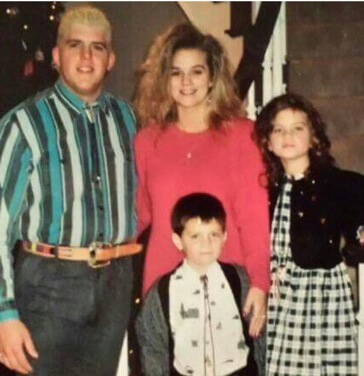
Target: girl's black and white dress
311,328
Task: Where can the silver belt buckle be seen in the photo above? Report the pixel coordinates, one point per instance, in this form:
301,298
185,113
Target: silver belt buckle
94,249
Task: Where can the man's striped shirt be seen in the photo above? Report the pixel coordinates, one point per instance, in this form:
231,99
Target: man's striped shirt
66,176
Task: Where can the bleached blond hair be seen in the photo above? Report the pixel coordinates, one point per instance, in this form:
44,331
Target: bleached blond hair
84,15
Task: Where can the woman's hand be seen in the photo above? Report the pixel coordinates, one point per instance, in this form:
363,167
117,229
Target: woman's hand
256,307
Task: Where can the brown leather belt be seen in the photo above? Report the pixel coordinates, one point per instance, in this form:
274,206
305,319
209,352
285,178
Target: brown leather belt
97,254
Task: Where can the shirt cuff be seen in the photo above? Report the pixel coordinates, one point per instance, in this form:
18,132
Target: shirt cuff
8,311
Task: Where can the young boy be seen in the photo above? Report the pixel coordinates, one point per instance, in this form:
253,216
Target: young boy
191,321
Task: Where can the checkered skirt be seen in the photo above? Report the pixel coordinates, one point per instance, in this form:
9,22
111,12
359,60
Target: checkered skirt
311,329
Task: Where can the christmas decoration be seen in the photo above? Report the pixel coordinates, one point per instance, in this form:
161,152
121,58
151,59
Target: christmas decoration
28,34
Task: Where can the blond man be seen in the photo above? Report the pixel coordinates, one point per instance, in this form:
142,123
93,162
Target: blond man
66,199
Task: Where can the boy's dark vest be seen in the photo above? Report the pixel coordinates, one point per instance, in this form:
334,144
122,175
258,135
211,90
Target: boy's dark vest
233,279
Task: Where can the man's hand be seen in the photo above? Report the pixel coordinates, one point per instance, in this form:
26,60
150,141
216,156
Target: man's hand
15,344
256,306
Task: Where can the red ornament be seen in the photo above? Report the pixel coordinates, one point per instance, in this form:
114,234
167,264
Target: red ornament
28,68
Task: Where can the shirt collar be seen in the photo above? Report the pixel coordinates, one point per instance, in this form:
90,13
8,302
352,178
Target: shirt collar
75,101
194,274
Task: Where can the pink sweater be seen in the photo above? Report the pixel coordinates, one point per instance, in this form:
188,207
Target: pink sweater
227,164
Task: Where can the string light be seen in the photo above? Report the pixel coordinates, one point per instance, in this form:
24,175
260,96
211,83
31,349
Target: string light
31,29
12,12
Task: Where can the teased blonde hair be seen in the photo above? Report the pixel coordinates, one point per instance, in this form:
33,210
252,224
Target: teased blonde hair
153,102
84,15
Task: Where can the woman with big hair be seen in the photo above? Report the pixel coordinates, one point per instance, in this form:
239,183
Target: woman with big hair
195,138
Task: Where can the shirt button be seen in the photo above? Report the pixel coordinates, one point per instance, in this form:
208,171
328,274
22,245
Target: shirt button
97,179
300,214
313,198
323,220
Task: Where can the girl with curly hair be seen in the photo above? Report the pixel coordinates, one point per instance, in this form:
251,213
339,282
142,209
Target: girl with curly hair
311,328
195,138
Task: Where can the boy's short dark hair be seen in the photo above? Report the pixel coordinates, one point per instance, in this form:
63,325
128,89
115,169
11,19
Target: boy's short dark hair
197,205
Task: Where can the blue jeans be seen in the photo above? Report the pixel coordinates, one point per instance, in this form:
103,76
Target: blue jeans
77,315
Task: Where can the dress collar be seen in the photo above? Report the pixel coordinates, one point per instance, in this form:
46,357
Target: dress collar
294,177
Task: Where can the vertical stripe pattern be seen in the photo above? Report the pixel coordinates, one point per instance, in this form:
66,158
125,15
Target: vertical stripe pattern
64,179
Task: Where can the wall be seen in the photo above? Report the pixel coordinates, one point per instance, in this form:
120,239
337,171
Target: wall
326,58
135,26
214,18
